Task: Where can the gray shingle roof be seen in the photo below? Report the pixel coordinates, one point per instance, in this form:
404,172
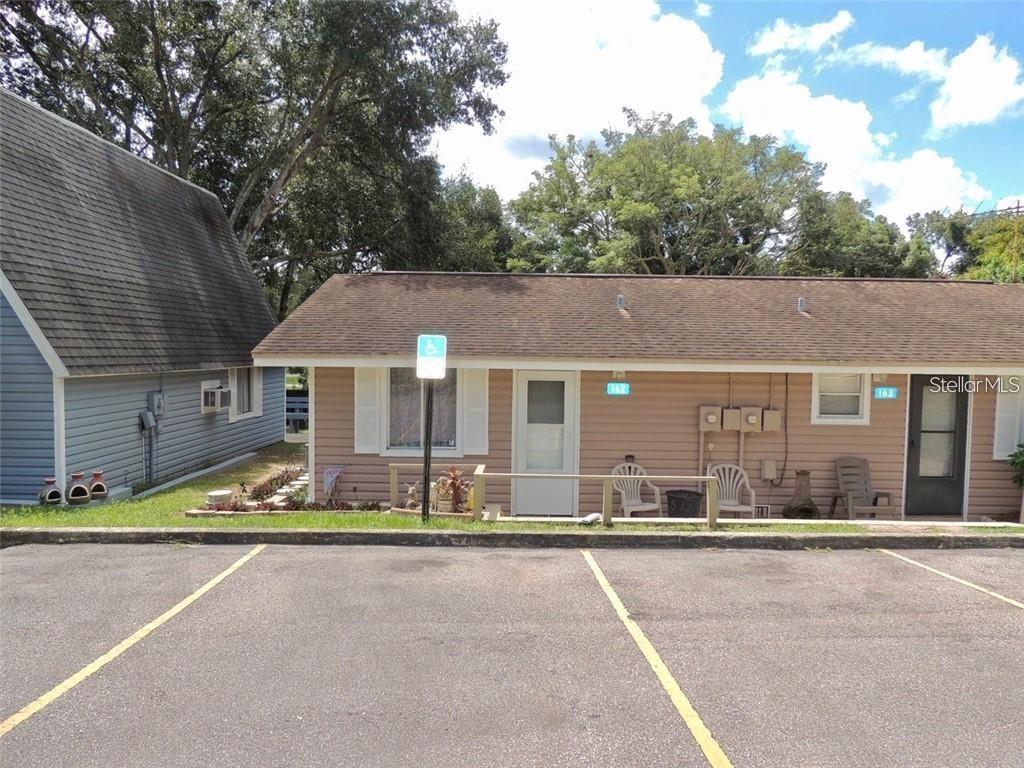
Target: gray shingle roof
737,319
125,267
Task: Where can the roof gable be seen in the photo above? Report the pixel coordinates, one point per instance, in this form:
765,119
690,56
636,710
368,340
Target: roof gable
124,267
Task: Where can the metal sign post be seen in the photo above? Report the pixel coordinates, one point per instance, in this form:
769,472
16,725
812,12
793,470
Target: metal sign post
428,439
431,360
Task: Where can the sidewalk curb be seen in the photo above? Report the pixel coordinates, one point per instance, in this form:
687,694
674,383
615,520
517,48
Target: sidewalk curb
10,537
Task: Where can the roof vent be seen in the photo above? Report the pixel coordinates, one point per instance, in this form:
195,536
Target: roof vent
801,304
620,302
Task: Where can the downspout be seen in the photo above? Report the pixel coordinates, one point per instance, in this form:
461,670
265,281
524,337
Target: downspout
60,468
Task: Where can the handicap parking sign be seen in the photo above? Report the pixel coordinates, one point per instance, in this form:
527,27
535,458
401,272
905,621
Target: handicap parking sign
431,356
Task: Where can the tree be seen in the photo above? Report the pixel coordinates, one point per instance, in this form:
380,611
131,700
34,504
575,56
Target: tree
997,249
947,234
837,236
562,214
260,100
662,199
476,233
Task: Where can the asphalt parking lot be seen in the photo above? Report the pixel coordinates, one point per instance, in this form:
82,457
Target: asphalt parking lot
381,656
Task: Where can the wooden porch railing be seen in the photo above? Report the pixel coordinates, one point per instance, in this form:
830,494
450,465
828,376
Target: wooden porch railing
481,475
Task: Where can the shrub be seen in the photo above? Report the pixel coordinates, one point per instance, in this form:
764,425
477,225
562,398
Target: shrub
268,488
1017,462
299,504
454,485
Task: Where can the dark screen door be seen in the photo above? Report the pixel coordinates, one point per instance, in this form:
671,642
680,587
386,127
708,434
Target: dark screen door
938,446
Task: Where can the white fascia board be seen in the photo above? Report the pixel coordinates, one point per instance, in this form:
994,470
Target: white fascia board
32,327
714,366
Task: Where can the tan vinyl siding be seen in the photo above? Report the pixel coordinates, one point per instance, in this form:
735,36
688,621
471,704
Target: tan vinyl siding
991,492
366,476
658,424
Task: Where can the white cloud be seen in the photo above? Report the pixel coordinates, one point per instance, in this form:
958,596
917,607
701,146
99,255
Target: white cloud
914,59
837,132
981,84
702,9
574,73
783,36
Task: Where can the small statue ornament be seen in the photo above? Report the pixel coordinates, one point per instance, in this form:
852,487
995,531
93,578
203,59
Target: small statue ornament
411,502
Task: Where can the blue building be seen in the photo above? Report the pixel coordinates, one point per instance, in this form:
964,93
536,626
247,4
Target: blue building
127,318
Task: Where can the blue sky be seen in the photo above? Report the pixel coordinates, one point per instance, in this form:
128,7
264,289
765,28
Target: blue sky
913,105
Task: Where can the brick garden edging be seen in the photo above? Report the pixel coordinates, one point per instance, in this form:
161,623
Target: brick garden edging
514,539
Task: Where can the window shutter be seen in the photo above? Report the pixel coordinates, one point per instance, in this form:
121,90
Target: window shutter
367,410
233,387
1009,419
474,412
257,391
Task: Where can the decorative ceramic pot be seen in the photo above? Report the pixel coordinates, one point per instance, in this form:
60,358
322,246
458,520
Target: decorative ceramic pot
98,486
77,491
801,505
50,494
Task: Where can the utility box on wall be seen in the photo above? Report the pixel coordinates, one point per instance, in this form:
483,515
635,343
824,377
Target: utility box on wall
771,420
732,418
157,403
710,418
750,419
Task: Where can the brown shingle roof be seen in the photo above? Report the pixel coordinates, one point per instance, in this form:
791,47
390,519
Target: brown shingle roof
575,317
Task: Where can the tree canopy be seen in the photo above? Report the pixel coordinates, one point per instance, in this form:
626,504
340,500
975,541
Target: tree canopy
263,101
663,199
311,120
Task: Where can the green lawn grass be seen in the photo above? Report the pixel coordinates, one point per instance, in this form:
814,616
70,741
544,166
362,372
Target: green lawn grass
164,508
167,509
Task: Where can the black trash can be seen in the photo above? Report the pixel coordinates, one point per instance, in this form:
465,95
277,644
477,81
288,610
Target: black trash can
684,503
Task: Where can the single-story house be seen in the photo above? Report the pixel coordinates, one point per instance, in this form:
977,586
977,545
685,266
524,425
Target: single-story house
923,378
128,317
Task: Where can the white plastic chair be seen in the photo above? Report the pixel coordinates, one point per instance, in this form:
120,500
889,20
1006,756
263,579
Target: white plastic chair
633,479
732,481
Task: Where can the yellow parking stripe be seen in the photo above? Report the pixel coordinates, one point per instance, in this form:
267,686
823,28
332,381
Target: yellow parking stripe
966,583
52,695
711,749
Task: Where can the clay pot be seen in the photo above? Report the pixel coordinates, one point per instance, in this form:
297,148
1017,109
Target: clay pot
50,494
77,491
801,505
98,486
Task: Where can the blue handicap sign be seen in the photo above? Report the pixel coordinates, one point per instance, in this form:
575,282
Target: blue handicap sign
431,346
431,356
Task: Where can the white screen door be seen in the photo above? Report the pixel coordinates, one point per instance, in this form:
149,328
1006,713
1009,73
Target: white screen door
546,438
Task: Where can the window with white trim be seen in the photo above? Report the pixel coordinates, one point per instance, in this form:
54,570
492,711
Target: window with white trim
405,408
1009,417
840,398
246,385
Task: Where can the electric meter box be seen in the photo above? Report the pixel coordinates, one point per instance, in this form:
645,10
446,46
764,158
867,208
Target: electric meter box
710,418
750,419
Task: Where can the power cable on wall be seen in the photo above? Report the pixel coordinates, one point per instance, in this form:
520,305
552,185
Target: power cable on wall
785,454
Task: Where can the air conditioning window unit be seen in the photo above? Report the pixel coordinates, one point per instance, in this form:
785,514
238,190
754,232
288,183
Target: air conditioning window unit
209,401
215,397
